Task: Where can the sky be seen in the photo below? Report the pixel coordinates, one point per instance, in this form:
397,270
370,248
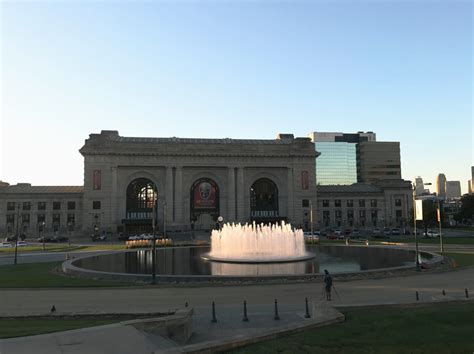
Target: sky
237,69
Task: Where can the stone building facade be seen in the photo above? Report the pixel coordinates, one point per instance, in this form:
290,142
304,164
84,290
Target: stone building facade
183,184
385,203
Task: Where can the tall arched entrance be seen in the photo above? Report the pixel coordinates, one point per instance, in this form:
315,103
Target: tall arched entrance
141,198
264,201
204,204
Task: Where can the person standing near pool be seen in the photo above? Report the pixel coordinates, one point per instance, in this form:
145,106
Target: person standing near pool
328,281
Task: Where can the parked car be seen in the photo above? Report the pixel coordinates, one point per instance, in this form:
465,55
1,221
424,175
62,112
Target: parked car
395,231
311,237
14,238
387,231
355,233
431,233
22,244
101,237
5,245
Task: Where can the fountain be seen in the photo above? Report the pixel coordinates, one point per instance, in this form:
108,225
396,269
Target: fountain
251,243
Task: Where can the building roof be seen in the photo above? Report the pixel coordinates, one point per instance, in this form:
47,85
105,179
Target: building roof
123,139
351,188
26,188
109,142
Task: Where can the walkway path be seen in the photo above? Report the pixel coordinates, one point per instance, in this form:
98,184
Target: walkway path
359,292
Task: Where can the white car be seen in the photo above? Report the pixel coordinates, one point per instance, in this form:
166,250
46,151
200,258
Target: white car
5,245
431,233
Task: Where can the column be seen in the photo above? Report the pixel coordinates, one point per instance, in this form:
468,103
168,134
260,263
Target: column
231,194
179,195
114,217
169,196
241,216
291,205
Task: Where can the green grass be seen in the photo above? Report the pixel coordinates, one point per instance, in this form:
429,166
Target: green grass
440,328
34,248
40,275
27,327
424,240
63,248
462,259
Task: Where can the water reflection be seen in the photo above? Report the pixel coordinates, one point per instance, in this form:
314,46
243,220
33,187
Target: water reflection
188,261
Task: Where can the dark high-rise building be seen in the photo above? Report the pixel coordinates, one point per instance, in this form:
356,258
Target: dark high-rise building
378,160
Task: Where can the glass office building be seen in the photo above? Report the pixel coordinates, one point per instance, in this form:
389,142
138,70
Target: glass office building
337,163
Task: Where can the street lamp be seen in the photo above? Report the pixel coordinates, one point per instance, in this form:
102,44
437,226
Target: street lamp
70,227
41,226
153,254
441,246
15,261
414,224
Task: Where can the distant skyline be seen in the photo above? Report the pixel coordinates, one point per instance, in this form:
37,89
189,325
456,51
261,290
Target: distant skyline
401,69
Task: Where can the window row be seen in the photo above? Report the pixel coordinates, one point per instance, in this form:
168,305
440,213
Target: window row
362,203
41,219
362,214
11,206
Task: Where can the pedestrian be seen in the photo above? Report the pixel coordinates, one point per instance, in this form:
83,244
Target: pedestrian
328,282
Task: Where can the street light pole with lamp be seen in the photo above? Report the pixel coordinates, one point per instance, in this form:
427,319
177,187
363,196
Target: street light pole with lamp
153,254
441,245
414,223
42,225
17,236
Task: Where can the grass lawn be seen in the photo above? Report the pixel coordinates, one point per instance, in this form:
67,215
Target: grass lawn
39,275
63,248
26,327
462,259
440,328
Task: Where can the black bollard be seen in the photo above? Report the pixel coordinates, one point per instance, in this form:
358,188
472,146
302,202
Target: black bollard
444,292
417,296
307,315
467,293
276,317
245,319
214,319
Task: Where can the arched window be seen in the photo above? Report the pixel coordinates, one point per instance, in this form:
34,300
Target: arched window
264,199
141,195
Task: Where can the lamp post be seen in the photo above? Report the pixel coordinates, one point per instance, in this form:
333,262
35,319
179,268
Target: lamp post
441,246
153,247
164,219
70,226
42,224
414,223
311,216
414,228
15,261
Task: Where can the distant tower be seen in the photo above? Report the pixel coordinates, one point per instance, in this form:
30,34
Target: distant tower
420,187
441,185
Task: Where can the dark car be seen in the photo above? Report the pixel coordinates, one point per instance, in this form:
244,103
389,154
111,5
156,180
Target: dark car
14,238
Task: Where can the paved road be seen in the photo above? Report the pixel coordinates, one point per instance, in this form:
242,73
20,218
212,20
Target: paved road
376,291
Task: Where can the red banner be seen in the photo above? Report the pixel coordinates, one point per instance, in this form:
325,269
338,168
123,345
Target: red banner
304,180
205,195
96,180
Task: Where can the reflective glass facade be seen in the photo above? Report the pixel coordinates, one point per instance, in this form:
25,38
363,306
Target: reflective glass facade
337,163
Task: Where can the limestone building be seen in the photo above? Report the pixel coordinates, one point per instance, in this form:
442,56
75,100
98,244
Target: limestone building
385,203
193,181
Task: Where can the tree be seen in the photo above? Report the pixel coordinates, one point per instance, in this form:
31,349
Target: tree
467,208
430,218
